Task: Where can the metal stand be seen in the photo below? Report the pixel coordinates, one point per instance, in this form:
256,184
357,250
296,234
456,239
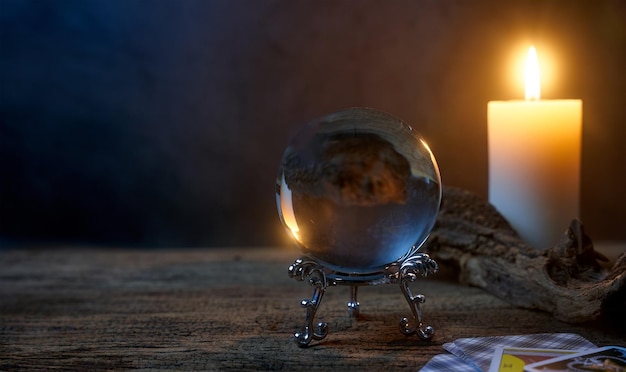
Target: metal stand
402,272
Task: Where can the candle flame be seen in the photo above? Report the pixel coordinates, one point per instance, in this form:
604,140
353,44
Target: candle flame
533,91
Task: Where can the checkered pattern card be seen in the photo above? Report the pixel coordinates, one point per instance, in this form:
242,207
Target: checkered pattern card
475,354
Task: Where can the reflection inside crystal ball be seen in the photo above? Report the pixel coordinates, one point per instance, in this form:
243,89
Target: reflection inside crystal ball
358,189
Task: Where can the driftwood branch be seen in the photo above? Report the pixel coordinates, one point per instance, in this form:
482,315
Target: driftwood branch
566,280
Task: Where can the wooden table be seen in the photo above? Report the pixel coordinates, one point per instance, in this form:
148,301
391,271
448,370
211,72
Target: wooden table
222,309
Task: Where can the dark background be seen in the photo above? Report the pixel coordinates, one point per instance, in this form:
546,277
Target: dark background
162,122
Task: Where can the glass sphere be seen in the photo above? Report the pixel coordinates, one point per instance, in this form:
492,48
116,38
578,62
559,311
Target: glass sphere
358,189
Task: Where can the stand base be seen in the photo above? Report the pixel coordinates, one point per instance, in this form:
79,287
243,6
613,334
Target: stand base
404,272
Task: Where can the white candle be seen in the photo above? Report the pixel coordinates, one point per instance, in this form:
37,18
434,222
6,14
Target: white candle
534,161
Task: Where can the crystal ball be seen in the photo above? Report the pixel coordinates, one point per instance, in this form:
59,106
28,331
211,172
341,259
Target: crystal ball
358,190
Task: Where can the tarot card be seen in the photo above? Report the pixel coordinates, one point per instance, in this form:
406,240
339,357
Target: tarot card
513,359
608,358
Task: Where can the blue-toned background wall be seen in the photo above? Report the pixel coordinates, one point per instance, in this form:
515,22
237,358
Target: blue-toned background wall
162,122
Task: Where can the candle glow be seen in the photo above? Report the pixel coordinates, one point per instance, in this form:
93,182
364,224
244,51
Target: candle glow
533,90
534,161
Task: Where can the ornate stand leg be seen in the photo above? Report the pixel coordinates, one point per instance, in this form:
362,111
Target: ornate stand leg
420,264
404,273
302,269
353,305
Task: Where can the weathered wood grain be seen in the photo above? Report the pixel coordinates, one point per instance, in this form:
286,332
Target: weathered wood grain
225,309
567,280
